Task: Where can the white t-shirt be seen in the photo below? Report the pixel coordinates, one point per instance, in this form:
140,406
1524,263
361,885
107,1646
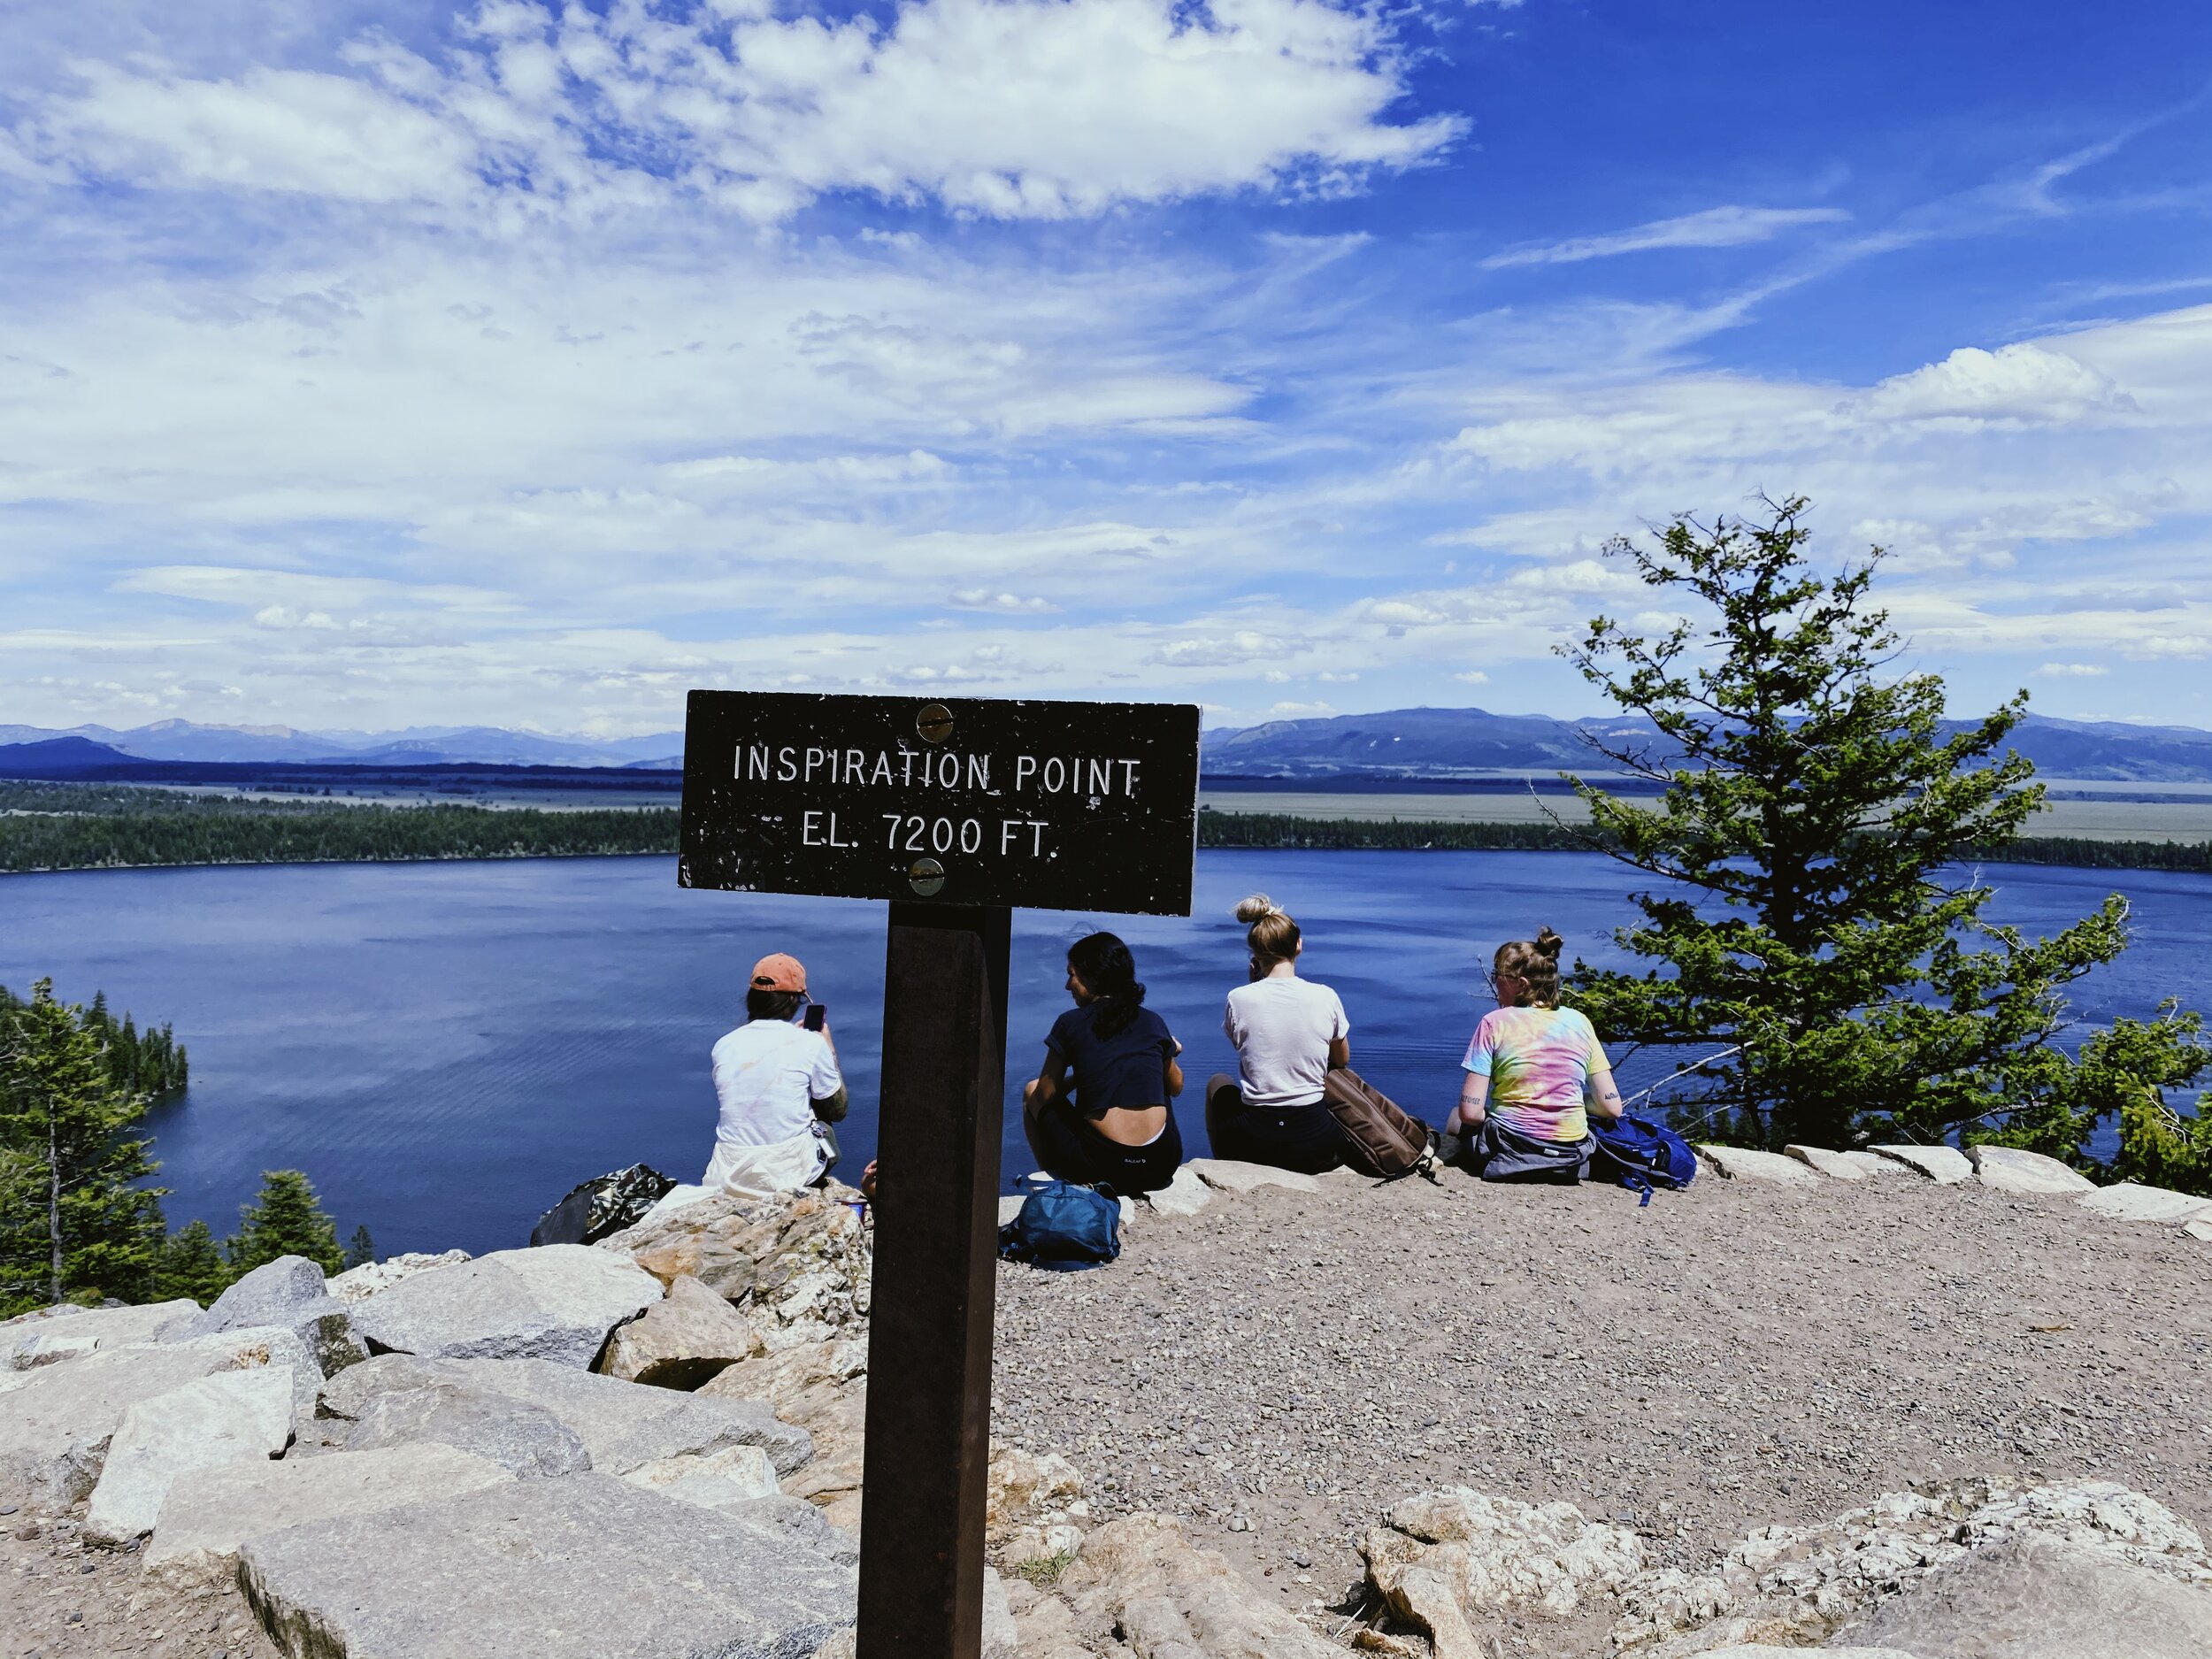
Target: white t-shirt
768,1073
1282,1029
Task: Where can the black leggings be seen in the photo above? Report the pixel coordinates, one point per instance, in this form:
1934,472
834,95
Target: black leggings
1071,1148
1302,1138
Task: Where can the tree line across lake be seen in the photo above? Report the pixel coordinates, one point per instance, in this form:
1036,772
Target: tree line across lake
47,827
81,826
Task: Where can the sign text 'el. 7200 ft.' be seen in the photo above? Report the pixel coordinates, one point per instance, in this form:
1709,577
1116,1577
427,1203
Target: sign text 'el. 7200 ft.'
1045,805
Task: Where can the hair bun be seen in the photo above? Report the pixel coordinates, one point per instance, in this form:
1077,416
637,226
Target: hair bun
1253,908
1548,943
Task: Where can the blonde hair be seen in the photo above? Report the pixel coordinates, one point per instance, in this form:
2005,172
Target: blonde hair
1535,963
1273,936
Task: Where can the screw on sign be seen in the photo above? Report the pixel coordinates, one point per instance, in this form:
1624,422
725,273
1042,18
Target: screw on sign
956,813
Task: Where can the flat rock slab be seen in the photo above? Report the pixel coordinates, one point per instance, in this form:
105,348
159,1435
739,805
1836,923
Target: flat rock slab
2011,1169
2035,1597
521,1438
225,1418
57,1422
211,1512
1231,1175
1842,1166
1947,1166
1743,1164
556,1303
584,1567
1185,1195
622,1425
53,1334
2199,1228
2129,1202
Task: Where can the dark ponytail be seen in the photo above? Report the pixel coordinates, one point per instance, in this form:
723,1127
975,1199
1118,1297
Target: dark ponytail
1110,972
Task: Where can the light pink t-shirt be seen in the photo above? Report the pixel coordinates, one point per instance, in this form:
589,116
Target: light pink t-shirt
1282,1029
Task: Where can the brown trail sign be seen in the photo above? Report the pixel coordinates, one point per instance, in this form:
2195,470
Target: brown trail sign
957,812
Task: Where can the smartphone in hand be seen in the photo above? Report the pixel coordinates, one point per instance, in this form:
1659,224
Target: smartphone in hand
816,1015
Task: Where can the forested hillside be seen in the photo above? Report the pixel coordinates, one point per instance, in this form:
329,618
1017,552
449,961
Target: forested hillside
81,826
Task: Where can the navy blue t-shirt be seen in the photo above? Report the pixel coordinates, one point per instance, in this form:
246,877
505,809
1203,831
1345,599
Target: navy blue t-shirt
1126,1069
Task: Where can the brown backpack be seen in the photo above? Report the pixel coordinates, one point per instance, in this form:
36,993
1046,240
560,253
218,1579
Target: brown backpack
1388,1141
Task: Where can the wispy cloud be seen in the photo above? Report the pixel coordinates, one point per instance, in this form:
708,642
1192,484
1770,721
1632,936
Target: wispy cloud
1713,228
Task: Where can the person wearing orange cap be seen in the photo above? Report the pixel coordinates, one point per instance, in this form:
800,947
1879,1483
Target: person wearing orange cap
779,1085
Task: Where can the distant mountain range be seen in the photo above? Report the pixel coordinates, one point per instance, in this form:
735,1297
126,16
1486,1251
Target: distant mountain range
1436,745
417,746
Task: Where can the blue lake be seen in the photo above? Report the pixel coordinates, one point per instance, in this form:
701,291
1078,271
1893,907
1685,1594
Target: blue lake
446,1049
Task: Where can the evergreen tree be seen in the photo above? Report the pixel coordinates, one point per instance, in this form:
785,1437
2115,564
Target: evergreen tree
192,1265
360,1249
72,1223
1812,817
285,1220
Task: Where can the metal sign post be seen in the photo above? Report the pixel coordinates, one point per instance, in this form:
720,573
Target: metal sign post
956,813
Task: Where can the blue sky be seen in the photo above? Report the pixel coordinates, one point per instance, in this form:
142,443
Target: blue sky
366,365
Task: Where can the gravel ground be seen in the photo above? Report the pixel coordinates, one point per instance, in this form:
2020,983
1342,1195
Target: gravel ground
62,1599
1283,1366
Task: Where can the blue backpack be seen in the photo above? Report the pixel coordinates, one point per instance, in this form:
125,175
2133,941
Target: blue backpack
1063,1228
1642,1155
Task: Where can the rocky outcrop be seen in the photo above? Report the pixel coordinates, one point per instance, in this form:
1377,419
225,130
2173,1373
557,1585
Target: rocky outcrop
225,1418
358,1283
798,1264
2037,1597
1844,1166
289,1292
683,1341
1231,1175
57,1424
558,1303
584,1567
1444,1555
49,1335
2010,1170
210,1513
1947,1166
1141,1582
1743,1164
2128,1200
622,1425
1795,1588
1185,1195
821,1387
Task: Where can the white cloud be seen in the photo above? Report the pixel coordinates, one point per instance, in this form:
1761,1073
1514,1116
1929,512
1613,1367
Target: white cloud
1731,226
2072,670
279,130
1246,645
1472,677
1003,109
2026,381
1300,710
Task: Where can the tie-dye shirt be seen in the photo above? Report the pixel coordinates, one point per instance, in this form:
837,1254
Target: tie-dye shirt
1538,1061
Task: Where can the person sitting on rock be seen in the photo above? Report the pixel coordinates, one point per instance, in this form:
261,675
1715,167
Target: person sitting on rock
1287,1032
1117,1129
779,1085
1532,1074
